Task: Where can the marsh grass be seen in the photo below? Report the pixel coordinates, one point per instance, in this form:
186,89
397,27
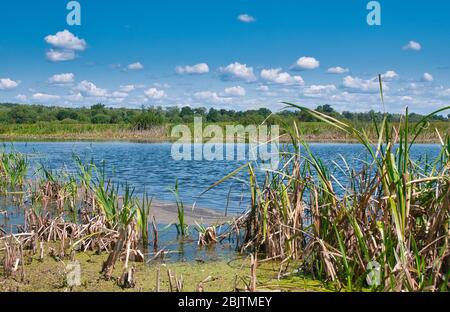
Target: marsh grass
142,217
395,212
182,227
13,171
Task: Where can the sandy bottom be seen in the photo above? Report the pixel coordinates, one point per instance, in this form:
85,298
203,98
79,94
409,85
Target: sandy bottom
167,213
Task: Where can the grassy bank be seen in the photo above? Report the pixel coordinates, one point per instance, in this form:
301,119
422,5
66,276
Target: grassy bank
310,132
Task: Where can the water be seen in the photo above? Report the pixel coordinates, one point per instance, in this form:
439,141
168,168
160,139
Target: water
151,169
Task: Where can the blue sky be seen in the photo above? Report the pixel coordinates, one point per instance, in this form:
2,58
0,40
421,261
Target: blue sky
235,54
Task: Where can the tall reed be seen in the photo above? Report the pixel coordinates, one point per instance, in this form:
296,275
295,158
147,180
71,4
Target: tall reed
392,213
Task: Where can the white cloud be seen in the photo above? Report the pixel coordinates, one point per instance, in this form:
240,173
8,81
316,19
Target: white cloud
275,75
21,97
160,85
445,93
155,94
66,40
245,18
75,97
389,75
211,97
127,88
117,94
263,88
427,77
89,89
236,91
8,84
201,68
60,55
43,97
319,90
406,98
413,45
62,78
337,70
360,85
135,66
306,62
237,71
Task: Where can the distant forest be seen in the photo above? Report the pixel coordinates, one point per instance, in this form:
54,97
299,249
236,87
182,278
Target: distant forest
147,117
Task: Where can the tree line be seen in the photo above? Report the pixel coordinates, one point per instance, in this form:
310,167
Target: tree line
146,117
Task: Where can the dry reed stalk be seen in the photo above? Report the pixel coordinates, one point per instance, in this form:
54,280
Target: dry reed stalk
253,268
108,265
155,234
207,237
158,279
175,284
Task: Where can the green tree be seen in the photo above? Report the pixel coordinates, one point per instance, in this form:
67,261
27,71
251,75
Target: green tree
22,115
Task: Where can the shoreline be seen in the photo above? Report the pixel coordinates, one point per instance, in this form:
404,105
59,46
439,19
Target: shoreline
155,140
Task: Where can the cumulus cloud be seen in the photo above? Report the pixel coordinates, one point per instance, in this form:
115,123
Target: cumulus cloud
361,85
406,98
389,75
427,77
64,45
413,46
305,63
43,97
237,71
319,90
65,78
245,18
236,91
118,94
89,89
8,84
275,75
337,70
444,93
75,97
127,88
60,55
196,69
135,66
263,88
211,97
21,97
66,40
155,93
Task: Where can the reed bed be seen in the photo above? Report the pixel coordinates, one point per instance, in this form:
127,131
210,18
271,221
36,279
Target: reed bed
384,227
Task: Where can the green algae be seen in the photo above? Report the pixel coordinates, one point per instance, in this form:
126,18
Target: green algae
50,275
